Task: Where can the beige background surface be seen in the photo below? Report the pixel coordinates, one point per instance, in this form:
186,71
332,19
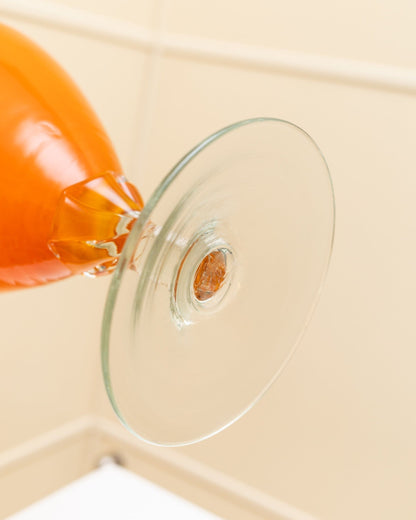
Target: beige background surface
335,435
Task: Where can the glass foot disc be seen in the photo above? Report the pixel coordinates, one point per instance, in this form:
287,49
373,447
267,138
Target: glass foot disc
217,281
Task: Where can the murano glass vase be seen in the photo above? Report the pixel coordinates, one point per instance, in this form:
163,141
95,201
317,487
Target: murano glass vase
214,279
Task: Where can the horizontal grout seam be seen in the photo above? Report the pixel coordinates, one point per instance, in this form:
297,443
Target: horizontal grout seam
129,34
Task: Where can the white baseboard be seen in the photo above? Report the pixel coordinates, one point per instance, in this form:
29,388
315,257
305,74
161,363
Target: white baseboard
37,446
190,471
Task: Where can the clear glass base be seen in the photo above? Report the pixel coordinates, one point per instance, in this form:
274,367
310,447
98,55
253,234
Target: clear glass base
217,281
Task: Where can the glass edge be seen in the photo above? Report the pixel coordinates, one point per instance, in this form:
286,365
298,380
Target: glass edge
137,228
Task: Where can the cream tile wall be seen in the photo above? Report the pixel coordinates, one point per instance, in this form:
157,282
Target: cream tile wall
335,435
141,12
360,29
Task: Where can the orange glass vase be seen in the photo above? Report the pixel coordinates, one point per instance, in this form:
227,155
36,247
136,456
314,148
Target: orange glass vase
66,207
218,276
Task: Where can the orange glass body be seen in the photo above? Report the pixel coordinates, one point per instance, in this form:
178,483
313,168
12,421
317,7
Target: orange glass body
65,207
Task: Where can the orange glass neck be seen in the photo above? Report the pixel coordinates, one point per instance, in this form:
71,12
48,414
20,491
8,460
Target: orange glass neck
92,221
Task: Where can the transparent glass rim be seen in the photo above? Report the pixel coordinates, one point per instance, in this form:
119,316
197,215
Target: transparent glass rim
131,244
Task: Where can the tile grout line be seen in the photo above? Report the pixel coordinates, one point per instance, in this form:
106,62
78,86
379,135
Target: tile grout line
79,21
141,131
147,96
129,34
370,74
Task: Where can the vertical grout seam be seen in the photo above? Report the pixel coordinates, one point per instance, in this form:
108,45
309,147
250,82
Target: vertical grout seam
146,104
